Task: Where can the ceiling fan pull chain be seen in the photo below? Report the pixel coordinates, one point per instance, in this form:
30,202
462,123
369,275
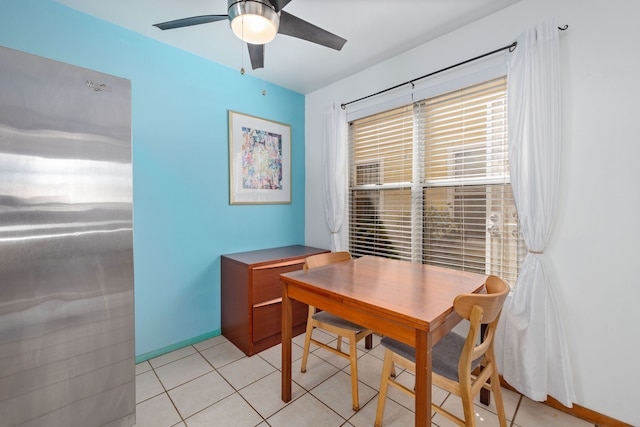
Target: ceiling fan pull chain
264,76
242,48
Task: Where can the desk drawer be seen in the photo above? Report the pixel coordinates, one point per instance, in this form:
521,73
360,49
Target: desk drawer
267,318
266,279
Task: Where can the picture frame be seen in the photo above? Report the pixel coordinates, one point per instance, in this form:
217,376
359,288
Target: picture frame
259,160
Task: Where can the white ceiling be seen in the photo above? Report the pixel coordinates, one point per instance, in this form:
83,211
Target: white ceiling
375,31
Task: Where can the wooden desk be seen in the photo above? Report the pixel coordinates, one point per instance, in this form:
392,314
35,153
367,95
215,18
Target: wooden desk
251,295
412,303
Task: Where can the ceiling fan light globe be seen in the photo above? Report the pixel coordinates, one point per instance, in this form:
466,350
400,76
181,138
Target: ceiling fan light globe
253,21
254,29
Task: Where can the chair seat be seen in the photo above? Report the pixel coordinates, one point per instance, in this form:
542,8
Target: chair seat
444,358
339,322
451,357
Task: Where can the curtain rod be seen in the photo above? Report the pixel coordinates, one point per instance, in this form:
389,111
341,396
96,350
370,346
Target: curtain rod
511,48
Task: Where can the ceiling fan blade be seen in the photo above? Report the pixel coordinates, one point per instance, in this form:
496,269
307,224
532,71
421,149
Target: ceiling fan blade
187,22
256,53
279,4
295,27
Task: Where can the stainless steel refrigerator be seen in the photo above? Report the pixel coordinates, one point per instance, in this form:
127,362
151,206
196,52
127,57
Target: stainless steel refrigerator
66,246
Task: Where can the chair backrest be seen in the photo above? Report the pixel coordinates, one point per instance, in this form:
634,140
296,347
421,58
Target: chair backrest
491,302
480,309
325,259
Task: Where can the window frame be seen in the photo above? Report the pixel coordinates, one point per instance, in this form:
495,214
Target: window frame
420,184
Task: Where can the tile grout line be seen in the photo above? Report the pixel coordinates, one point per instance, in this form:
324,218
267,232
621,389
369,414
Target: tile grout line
515,412
167,391
235,391
346,421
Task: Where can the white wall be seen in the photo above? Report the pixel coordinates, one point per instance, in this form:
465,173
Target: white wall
594,250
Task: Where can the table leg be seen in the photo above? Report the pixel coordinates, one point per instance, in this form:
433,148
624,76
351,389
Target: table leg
368,342
423,379
287,333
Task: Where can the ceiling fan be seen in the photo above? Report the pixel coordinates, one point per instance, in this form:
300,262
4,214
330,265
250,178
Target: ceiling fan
257,22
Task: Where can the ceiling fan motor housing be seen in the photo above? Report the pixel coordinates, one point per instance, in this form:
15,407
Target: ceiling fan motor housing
257,16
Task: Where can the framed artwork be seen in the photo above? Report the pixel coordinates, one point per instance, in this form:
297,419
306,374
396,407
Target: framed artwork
259,160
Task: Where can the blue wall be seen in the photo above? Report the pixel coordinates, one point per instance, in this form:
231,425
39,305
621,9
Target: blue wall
182,218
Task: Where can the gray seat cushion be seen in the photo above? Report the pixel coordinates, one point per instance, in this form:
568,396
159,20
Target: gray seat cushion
444,358
336,321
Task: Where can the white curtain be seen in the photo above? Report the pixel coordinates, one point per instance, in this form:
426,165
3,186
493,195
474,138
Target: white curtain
535,359
334,153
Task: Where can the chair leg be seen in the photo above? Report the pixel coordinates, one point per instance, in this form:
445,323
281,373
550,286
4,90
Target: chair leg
497,396
339,344
307,344
387,367
353,358
467,406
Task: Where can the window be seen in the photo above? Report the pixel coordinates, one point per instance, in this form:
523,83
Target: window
430,183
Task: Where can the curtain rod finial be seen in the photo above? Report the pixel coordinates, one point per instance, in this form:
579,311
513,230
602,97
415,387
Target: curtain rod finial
343,106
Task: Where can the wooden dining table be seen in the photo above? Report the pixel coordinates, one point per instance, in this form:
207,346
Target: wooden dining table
410,302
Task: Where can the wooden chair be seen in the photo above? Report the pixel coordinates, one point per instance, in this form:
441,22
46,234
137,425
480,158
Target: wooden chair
332,323
455,359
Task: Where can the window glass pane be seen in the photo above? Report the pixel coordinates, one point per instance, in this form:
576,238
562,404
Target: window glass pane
454,230
382,148
464,134
380,223
472,228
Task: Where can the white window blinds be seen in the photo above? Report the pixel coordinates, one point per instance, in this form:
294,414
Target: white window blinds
430,183
380,181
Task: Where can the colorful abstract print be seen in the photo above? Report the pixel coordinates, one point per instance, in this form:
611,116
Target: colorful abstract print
261,159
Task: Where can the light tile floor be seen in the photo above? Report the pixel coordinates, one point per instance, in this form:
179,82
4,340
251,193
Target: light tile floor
212,383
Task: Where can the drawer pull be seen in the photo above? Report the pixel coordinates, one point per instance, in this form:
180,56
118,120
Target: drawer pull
280,264
270,302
